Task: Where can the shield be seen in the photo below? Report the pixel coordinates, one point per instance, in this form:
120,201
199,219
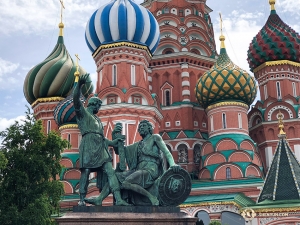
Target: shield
174,188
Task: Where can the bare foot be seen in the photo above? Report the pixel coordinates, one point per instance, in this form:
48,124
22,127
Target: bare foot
93,201
154,201
122,203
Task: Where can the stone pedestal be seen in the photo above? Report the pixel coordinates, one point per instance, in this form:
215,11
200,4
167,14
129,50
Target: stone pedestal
126,215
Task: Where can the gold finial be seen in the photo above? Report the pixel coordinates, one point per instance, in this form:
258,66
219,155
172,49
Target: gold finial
280,123
222,37
61,25
272,4
76,74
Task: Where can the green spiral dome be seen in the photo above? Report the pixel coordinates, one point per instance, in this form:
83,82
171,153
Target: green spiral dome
54,77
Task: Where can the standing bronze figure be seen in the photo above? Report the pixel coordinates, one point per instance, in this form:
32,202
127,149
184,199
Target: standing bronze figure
93,150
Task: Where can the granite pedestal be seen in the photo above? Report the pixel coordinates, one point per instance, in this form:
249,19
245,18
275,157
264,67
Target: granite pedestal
126,215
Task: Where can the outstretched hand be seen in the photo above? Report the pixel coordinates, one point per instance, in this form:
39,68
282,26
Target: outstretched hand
83,79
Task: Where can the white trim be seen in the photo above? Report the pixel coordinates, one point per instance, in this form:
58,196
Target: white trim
184,66
185,83
294,89
269,156
132,73
149,78
182,142
185,74
114,75
211,124
186,92
265,91
240,121
278,90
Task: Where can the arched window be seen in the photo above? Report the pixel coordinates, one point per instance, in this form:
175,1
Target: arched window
232,218
224,120
212,123
132,74
203,218
197,153
167,97
294,89
182,153
48,126
265,91
69,138
240,121
228,173
278,90
114,75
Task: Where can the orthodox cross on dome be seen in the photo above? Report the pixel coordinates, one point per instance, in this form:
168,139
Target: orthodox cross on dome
280,123
272,4
222,37
76,74
61,25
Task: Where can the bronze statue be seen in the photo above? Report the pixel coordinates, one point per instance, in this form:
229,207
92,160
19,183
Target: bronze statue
93,150
140,184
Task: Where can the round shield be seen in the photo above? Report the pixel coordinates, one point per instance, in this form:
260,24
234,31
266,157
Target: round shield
174,188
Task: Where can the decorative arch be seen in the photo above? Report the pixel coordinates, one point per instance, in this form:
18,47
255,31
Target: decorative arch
252,171
247,145
253,118
73,174
66,162
68,188
207,149
271,134
226,144
204,174
257,160
282,108
112,91
220,172
140,91
182,153
215,158
169,44
291,132
239,156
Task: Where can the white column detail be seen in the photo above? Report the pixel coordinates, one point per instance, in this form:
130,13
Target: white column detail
269,156
297,152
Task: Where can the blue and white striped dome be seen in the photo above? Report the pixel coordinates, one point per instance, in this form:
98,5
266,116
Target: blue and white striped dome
122,20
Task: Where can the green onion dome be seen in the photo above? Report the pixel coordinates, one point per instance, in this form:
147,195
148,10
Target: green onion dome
275,41
225,81
54,77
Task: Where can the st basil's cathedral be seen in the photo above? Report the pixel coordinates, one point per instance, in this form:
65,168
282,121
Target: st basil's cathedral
158,61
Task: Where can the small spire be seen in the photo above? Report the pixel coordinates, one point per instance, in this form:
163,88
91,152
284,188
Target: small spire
76,74
280,124
61,25
272,4
222,37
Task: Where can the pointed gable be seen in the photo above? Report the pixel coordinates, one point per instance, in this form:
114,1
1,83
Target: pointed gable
283,178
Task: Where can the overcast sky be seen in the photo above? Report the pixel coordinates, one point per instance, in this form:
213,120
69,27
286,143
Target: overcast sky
29,31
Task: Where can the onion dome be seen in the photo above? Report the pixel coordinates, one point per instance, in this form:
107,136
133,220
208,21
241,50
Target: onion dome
225,82
54,77
275,41
64,112
122,21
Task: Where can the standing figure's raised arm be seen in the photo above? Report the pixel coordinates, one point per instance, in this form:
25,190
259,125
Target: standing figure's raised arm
76,94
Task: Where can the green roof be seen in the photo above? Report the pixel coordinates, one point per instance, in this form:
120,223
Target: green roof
208,184
238,198
283,178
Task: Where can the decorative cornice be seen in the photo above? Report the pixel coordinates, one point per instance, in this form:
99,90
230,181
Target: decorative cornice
209,204
120,44
270,209
51,99
68,126
276,63
227,104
